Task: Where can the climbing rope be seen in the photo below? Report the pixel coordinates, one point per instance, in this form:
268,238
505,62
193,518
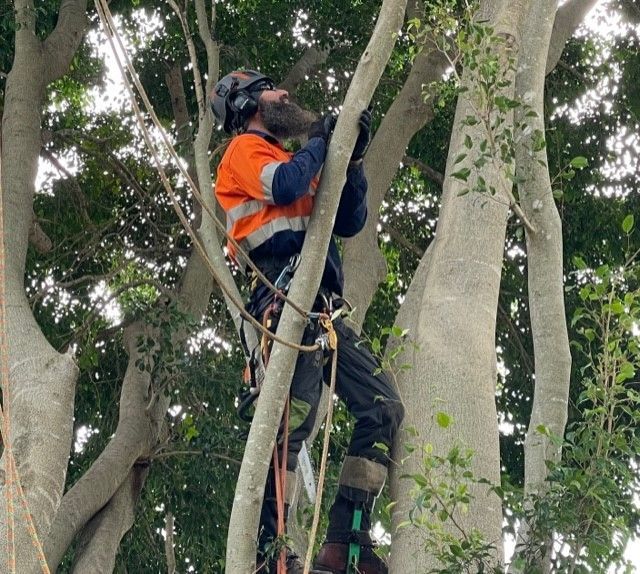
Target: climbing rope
179,211
332,342
112,33
12,477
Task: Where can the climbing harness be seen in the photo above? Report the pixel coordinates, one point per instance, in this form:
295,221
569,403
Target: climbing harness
325,342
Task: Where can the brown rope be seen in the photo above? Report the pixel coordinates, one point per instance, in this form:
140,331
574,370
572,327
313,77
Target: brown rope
169,147
333,343
176,205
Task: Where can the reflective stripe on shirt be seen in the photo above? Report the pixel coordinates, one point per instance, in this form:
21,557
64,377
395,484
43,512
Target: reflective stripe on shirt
243,210
268,230
266,179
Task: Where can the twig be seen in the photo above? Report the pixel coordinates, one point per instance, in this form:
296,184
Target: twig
168,544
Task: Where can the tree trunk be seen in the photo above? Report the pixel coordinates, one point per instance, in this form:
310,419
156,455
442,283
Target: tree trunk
40,388
100,539
243,527
364,264
450,310
107,485
544,262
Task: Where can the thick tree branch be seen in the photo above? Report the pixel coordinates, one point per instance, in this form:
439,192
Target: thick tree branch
310,60
135,436
169,551
62,43
38,239
545,265
173,79
364,265
569,16
100,539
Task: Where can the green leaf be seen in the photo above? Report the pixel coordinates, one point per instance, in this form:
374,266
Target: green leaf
443,419
579,262
543,430
626,372
627,223
456,550
617,307
579,162
462,174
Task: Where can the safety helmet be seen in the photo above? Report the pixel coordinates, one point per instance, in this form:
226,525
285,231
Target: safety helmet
235,97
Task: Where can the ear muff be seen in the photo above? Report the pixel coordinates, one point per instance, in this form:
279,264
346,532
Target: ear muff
243,103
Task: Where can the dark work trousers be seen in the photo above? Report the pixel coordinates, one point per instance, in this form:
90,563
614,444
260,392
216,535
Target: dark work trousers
367,392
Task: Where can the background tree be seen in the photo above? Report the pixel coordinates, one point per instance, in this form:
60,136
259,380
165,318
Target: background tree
103,288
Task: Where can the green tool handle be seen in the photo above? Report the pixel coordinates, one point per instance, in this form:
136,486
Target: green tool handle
354,547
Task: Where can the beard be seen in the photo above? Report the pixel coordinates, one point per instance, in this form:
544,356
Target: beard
285,119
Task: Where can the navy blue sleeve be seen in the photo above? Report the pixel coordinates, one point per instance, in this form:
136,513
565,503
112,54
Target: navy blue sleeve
352,210
291,179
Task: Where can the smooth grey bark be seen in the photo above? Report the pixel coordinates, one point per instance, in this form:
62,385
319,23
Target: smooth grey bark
544,262
243,527
100,539
364,264
41,383
136,434
450,311
568,17
309,61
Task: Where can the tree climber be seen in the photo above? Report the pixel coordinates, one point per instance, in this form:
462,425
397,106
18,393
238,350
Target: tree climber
268,196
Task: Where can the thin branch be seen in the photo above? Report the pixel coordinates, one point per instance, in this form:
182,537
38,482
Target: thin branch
430,173
402,240
197,77
168,544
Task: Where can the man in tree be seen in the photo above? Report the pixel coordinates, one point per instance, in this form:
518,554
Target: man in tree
268,195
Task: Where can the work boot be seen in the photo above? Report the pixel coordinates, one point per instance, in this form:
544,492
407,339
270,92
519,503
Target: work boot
294,565
333,558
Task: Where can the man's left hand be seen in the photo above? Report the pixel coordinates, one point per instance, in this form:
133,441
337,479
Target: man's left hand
362,143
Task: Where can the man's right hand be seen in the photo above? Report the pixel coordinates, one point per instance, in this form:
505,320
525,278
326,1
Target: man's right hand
323,128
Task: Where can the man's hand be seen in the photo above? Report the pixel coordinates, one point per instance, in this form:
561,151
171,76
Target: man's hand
362,143
322,128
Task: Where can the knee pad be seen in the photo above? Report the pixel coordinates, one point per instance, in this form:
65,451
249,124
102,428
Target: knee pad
361,479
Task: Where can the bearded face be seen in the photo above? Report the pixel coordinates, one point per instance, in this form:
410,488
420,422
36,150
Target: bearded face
284,119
